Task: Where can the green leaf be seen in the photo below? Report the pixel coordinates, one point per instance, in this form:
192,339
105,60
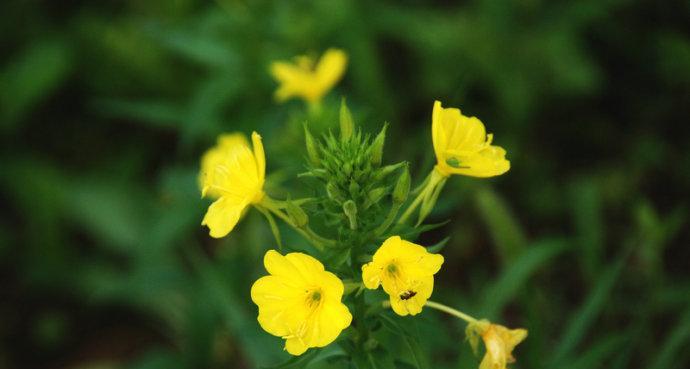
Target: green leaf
412,233
586,315
158,114
296,362
437,247
516,275
410,341
506,233
598,352
677,339
587,215
30,77
274,227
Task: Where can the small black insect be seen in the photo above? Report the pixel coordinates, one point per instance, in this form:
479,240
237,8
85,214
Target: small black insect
407,295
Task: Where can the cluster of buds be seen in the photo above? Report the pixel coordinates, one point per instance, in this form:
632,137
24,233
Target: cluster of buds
355,185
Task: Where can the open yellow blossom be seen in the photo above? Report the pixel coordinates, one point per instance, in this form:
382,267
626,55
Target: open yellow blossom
219,154
300,301
499,342
307,79
463,147
237,182
406,271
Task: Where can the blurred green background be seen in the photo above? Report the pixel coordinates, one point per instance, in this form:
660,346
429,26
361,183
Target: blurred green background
106,107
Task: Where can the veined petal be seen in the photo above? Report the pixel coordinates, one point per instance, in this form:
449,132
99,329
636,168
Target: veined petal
295,346
223,215
488,162
371,275
280,266
218,155
275,299
499,342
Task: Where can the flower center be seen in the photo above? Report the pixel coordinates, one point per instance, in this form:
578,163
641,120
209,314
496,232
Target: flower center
314,298
392,269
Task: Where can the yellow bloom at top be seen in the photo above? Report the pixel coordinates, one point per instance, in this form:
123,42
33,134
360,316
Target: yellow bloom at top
236,181
406,271
307,79
499,342
462,145
219,155
300,301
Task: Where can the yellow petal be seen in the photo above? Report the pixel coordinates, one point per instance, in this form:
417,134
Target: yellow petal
307,81
274,298
259,156
280,266
371,275
488,162
295,346
218,155
223,215
500,342
331,68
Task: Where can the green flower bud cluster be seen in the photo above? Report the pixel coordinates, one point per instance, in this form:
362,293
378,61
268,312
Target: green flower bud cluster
357,191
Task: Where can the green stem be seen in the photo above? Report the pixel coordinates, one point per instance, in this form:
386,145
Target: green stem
413,206
449,310
446,309
392,213
432,181
275,206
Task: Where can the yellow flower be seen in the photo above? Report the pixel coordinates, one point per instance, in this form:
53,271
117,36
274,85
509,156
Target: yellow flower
218,155
307,79
462,145
237,181
300,301
406,271
499,342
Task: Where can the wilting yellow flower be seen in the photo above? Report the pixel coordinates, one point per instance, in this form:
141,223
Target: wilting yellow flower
462,145
498,340
300,301
237,181
219,155
406,271
307,79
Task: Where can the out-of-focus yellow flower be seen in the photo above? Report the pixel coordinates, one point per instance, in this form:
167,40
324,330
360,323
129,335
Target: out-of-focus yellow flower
300,301
237,181
307,79
406,271
498,340
219,155
462,145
